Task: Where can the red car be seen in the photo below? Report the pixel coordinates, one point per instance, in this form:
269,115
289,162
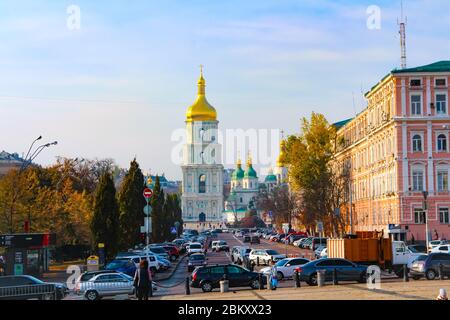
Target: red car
173,252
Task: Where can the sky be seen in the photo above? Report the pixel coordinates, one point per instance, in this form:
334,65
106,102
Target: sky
119,86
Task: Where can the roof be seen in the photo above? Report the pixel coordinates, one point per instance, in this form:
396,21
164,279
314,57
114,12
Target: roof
5,156
342,123
440,66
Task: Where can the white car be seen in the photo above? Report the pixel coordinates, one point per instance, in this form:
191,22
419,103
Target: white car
220,246
265,256
153,262
195,247
445,248
434,243
286,267
324,253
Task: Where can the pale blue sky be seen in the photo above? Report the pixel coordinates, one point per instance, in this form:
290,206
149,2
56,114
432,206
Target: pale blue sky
121,85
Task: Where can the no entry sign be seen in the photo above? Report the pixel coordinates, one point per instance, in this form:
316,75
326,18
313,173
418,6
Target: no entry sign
148,193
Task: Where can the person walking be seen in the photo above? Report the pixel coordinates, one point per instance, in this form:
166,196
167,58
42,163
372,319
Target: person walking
143,280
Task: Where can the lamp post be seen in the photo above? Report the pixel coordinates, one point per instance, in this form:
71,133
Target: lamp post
425,209
28,153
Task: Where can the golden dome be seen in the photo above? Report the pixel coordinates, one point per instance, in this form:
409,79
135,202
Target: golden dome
279,160
201,110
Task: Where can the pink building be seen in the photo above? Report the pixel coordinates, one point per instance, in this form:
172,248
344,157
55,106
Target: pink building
397,148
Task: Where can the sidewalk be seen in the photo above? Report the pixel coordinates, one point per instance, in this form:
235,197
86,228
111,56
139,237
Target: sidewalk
417,290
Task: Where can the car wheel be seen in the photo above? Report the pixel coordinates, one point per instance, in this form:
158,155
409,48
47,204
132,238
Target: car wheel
313,280
280,275
430,274
92,295
46,297
255,284
207,286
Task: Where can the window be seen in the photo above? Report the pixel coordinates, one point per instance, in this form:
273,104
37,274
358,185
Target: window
440,82
442,143
417,184
202,184
417,143
416,83
217,270
441,103
416,105
344,263
419,216
442,177
235,270
443,216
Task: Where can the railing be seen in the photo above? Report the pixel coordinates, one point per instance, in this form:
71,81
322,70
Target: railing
42,290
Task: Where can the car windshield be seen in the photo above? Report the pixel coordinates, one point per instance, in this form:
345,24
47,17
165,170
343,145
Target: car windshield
197,257
272,252
416,249
422,258
195,246
158,250
281,263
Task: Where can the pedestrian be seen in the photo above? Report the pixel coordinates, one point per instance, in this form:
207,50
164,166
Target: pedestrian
413,240
274,278
442,295
143,280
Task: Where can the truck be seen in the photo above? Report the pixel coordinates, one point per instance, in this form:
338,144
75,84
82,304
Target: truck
371,248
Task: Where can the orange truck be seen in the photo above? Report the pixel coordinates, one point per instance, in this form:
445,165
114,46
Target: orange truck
371,248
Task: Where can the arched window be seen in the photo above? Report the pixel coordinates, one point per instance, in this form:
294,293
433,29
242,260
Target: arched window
417,143
442,142
202,184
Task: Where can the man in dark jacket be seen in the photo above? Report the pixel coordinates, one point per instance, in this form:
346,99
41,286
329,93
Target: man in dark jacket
143,280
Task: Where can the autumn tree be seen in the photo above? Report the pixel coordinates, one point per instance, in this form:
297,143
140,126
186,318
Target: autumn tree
157,203
309,157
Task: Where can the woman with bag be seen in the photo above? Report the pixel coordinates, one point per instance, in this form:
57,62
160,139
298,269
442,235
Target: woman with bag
143,280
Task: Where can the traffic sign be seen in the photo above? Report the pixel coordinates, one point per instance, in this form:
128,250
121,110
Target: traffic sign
148,210
173,230
148,193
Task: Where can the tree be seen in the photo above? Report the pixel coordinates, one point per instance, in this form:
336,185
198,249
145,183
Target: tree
131,205
281,202
309,158
158,219
105,220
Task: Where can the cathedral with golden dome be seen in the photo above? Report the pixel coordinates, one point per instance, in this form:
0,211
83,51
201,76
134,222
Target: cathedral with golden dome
202,187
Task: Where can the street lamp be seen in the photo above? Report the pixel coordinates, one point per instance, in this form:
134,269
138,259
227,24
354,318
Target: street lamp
425,207
36,153
29,150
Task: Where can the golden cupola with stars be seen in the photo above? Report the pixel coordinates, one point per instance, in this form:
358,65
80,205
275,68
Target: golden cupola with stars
201,110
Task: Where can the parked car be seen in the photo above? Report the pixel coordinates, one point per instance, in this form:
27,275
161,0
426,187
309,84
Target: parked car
38,289
434,243
305,244
285,267
441,248
254,240
298,242
316,242
164,263
158,250
247,238
319,250
126,266
242,253
346,271
152,260
195,248
172,251
418,248
105,285
411,263
265,256
429,267
208,278
220,245
196,260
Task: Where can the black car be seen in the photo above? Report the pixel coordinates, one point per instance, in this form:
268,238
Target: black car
196,260
254,239
247,238
208,278
27,287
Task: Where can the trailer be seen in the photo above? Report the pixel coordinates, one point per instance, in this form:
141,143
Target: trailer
371,248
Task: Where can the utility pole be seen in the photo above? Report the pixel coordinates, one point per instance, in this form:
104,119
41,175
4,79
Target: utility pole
425,210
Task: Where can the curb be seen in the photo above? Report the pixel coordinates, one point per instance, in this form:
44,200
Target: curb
174,270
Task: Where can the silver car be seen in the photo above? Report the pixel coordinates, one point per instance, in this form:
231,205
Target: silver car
105,285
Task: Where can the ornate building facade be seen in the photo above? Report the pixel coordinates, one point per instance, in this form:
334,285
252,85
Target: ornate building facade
202,187
397,151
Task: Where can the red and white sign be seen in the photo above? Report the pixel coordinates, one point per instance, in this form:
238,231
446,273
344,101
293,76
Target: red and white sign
148,193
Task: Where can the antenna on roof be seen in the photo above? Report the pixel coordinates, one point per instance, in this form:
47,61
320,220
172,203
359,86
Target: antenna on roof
402,24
